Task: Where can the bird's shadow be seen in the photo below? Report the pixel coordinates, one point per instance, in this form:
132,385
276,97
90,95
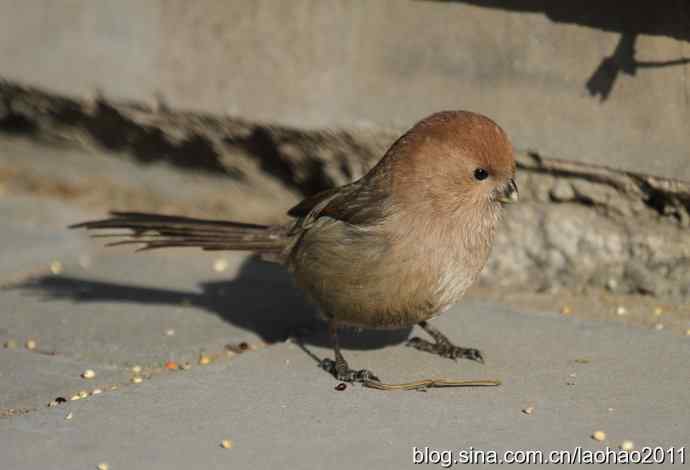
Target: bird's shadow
262,298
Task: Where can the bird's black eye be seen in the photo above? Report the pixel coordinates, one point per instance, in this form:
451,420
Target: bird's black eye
481,174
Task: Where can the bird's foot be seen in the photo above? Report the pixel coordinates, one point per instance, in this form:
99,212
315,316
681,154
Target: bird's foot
342,372
446,349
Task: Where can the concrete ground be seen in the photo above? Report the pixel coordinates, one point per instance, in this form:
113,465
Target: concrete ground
226,319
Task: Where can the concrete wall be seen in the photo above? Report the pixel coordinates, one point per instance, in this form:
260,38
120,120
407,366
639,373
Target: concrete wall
603,84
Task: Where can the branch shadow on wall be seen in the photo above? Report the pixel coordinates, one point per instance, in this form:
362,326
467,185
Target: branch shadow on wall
630,19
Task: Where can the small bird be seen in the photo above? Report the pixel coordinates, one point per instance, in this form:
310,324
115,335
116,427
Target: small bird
391,250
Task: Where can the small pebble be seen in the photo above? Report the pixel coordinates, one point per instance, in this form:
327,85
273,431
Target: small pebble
69,416
56,267
170,332
103,466
204,359
566,310
528,411
341,386
599,436
226,444
10,344
31,344
88,374
136,369
621,311
137,380
96,391
627,445
220,265
659,326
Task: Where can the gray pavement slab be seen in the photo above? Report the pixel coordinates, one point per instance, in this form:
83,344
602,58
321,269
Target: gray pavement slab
281,411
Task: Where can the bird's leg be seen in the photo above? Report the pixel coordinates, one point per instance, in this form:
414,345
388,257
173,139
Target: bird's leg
339,368
442,345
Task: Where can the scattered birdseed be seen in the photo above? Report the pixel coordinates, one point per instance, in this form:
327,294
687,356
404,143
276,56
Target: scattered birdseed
137,380
627,445
88,374
186,366
31,344
75,397
96,391
56,267
136,369
599,436
566,310
204,359
658,311
83,394
220,265
170,332
103,466
10,344
621,310
611,410
69,416
687,332
85,261
659,326
171,365
573,375
528,411
341,386
226,444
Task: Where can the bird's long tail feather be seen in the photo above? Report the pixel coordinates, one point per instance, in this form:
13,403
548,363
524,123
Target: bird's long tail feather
154,231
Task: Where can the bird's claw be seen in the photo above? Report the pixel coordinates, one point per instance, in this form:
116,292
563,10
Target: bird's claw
343,373
448,350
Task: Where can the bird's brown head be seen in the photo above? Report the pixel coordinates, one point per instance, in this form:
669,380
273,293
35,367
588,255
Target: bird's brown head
453,160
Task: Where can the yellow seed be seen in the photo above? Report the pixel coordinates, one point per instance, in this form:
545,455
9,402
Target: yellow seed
137,380
204,360
75,397
136,369
88,374
83,394
566,310
170,332
56,267
31,344
658,311
687,332
226,443
659,326
627,445
103,466
621,311
599,436
220,265
96,391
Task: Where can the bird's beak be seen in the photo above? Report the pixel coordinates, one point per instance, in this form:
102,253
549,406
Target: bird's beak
509,193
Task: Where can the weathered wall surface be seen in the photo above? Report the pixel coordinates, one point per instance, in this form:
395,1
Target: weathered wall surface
599,82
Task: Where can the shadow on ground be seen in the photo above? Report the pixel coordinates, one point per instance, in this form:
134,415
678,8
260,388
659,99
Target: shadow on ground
262,299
